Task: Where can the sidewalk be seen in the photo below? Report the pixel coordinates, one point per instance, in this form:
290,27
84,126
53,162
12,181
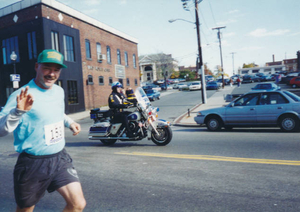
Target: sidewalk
216,100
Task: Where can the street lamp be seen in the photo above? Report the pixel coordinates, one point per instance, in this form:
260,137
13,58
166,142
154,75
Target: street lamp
15,81
199,59
14,57
173,20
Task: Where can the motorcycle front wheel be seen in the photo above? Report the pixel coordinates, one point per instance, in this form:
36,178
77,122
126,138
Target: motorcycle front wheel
164,137
108,142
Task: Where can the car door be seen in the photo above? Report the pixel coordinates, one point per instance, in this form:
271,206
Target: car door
242,111
271,105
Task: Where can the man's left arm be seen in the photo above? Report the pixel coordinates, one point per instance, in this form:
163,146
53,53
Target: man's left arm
70,123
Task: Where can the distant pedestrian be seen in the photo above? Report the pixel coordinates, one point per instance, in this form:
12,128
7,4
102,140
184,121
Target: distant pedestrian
277,78
231,82
238,82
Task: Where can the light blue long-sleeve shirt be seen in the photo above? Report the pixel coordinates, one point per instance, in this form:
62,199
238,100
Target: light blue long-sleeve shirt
39,131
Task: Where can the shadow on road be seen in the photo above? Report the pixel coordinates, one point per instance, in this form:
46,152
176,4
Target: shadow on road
99,144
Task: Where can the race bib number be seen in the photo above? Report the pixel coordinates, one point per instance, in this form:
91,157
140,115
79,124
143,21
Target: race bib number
54,133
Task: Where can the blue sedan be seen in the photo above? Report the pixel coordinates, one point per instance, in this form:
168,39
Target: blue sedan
213,85
152,94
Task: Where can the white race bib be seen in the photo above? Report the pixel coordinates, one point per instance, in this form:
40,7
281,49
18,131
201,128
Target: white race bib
54,133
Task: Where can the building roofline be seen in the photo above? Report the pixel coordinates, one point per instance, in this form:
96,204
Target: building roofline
20,5
262,67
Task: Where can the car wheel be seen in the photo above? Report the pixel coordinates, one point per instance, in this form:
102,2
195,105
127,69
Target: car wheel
214,123
289,123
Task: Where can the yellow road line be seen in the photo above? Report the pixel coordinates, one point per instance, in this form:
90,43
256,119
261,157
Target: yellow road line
214,158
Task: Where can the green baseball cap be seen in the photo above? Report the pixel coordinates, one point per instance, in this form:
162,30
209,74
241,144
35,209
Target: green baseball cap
51,56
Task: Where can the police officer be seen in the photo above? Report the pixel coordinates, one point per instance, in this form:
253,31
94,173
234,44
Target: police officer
116,102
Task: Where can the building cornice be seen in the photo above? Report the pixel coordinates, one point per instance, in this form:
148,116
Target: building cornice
67,10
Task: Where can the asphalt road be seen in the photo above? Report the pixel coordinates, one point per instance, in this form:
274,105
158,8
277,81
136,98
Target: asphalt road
238,170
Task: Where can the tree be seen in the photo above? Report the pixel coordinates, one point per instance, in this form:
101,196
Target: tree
187,74
207,71
164,65
250,65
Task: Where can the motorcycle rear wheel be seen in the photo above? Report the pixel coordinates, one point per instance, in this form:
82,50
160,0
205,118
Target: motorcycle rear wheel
108,142
164,137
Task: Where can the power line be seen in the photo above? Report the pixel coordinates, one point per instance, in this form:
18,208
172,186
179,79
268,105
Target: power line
212,13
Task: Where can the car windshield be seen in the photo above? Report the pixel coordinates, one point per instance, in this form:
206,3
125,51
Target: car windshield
293,96
212,83
195,83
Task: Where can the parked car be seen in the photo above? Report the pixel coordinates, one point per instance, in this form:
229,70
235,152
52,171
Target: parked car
179,85
289,77
255,109
235,77
260,77
267,86
195,86
182,86
247,78
209,78
152,94
227,81
220,82
295,82
270,77
256,78
163,87
151,86
213,85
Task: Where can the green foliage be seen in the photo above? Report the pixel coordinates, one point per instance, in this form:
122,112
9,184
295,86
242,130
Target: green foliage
187,74
250,65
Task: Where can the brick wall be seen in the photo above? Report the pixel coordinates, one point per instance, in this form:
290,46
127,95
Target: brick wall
96,95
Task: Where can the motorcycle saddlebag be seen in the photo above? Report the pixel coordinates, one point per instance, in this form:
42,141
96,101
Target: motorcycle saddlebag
99,129
97,113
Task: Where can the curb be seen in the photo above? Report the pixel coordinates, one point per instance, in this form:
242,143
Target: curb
177,121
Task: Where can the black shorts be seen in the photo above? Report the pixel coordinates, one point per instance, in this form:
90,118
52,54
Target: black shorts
33,175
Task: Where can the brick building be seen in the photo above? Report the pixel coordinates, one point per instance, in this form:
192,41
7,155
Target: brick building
96,54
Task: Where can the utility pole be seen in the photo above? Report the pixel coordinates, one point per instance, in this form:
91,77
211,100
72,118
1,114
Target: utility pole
200,61
219,36
233,62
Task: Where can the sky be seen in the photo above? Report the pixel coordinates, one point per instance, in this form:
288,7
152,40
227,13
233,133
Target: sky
255,30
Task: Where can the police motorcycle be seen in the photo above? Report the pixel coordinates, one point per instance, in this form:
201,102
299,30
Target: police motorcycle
142,120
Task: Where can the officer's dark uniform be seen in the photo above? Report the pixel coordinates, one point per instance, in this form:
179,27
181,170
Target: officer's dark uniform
116,104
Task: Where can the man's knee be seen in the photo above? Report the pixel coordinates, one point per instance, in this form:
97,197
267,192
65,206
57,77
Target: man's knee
77,205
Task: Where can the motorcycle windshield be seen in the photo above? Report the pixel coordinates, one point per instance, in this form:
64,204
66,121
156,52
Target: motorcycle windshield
142,98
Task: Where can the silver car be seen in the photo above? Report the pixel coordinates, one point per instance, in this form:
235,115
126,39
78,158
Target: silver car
255,109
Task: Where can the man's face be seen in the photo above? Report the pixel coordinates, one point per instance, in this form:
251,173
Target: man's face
46,74
119,89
